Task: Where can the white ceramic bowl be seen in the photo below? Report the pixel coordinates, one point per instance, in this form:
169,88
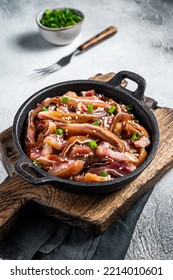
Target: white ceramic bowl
60,36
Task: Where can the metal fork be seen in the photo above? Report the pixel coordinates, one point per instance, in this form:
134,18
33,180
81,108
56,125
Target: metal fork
108,32
57,65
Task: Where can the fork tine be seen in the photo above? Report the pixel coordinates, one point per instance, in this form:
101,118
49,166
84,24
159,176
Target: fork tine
57,65
43,69
47,70
45,73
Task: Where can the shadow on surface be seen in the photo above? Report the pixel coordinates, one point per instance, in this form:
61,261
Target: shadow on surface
33,41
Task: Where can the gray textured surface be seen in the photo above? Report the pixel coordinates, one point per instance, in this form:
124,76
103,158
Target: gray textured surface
144,44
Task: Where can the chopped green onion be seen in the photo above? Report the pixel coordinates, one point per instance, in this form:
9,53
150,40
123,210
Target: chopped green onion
47,12
129,107
44,109
60,18
53,25
65,99
112,109
90,108
92,144
59,131
96,123
37,164
135,136
104,174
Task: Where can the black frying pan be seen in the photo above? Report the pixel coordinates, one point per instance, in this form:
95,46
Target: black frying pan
116,92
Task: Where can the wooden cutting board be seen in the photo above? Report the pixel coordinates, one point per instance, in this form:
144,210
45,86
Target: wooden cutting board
91,213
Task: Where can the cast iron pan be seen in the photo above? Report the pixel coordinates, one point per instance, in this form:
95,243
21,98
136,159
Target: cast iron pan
116,92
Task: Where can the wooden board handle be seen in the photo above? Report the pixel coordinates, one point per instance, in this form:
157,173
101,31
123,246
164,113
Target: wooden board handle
12,198
108,32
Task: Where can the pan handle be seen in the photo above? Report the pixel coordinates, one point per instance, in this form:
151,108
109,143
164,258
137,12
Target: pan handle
20,166
141,83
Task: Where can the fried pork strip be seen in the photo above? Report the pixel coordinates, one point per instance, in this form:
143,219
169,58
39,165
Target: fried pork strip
60,130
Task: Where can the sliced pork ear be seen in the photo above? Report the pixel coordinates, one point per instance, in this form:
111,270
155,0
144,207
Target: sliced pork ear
67,170
55,141
88,93
97,161
47,161
81,151
97,112
119,118
132,127
72,141
81,108
89,177
142,142
104,151
112,102
51,128
140,129
93,130
41,126
47,127
74,99
108,122
80,119
142,156
66,117
126,144
31,130
33,152
116,169
71,94
36,145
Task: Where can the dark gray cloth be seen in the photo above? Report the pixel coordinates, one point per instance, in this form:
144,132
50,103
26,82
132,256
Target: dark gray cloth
35,236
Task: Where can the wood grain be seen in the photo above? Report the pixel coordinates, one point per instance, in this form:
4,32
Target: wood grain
108,32
92,213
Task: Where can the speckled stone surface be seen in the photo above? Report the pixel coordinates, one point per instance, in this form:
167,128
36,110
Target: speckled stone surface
144,45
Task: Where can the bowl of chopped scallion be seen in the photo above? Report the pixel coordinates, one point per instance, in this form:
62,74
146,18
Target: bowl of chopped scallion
60,26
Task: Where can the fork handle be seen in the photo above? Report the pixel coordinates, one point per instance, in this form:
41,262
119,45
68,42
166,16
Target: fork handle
108,32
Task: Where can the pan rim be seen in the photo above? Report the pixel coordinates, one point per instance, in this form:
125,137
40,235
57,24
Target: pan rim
89,185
